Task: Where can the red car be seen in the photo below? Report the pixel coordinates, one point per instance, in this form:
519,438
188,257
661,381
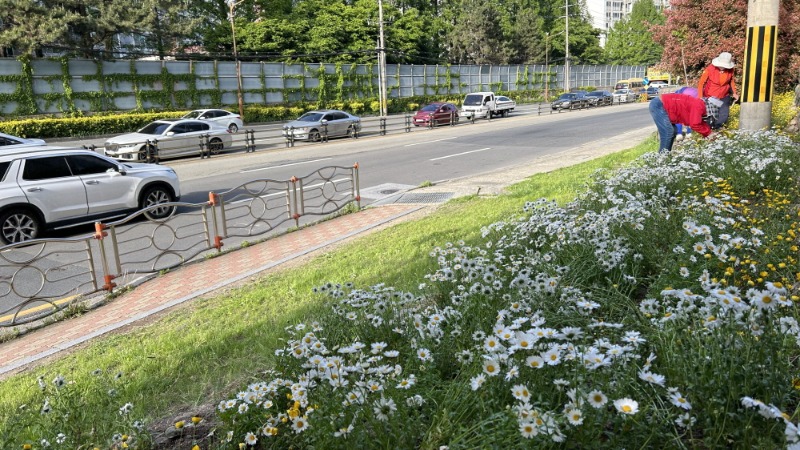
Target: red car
435,114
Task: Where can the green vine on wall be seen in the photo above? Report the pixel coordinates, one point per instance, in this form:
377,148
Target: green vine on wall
23,95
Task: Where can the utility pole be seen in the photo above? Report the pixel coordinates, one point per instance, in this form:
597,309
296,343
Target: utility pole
547,65
566,57
382,62
232,4
760,52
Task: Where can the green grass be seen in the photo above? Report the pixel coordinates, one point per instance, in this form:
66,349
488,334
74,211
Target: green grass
204,352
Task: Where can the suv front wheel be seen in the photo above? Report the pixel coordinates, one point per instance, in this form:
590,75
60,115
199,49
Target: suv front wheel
157,195
19,224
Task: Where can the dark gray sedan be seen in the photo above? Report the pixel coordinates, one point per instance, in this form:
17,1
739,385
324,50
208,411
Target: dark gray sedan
570,100
313,126
602,98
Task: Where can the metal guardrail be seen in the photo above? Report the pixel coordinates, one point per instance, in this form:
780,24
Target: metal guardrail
43,276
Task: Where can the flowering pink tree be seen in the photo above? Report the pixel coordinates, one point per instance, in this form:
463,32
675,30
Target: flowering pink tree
695,31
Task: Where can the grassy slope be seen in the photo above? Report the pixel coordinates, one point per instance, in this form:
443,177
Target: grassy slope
199,354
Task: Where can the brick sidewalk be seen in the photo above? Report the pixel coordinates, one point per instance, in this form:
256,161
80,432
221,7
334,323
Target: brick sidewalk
188,282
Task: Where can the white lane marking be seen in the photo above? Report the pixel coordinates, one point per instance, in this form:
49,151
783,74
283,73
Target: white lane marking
460,154
429,142
284,165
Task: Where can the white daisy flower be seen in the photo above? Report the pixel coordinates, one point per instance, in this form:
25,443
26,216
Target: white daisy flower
597,399
250,439
491,367
626,406
678,400
299,424
574,416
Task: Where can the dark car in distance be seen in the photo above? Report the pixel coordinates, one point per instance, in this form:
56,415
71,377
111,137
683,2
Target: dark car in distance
601,98
570,100
435,114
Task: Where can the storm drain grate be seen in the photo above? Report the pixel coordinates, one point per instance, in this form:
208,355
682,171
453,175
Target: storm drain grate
433,197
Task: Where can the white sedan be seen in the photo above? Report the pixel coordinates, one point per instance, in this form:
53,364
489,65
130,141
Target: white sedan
9,142
172,138
624,96
226,118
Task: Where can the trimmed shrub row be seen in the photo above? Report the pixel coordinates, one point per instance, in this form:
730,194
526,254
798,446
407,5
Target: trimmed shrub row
57,127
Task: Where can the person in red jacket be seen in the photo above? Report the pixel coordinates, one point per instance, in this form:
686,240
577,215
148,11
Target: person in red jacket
672,109
717,81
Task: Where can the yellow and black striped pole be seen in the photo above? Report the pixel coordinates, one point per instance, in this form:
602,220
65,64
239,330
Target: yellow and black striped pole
760,52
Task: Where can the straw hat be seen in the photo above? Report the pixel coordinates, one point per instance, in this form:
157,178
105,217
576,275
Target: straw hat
724,61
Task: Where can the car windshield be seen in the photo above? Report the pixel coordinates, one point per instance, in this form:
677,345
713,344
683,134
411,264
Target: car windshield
567,96
473,99
595,94
310,117
621,92
155,128
430,108
192,115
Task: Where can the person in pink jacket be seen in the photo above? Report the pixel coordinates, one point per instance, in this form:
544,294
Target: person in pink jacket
717,81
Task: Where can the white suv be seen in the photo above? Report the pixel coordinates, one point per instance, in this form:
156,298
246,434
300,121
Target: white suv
60,188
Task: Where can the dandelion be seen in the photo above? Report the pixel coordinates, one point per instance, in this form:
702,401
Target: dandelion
125,409
626,406
45,443
61,438
597,399
59,382
250,439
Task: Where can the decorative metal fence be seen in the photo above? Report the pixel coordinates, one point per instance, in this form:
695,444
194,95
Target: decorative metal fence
43,276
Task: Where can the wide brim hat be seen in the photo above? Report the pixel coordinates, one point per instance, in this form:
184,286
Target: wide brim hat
724,61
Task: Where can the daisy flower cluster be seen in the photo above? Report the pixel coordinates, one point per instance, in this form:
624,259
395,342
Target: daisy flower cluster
550,323
59,398
326,388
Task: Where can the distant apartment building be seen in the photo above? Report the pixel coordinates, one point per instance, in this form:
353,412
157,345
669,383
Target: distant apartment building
605,13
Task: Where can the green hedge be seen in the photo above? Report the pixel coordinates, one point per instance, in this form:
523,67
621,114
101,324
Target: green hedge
58,127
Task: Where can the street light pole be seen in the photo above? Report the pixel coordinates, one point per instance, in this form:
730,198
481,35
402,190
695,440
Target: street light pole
232,4
547,66
381,62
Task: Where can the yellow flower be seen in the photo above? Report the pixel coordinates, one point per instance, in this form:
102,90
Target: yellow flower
26,447
196,447
796,383
179,424
196,420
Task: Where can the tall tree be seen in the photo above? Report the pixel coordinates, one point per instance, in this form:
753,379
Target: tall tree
529,41
630,40
696,31
29,26
477,35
